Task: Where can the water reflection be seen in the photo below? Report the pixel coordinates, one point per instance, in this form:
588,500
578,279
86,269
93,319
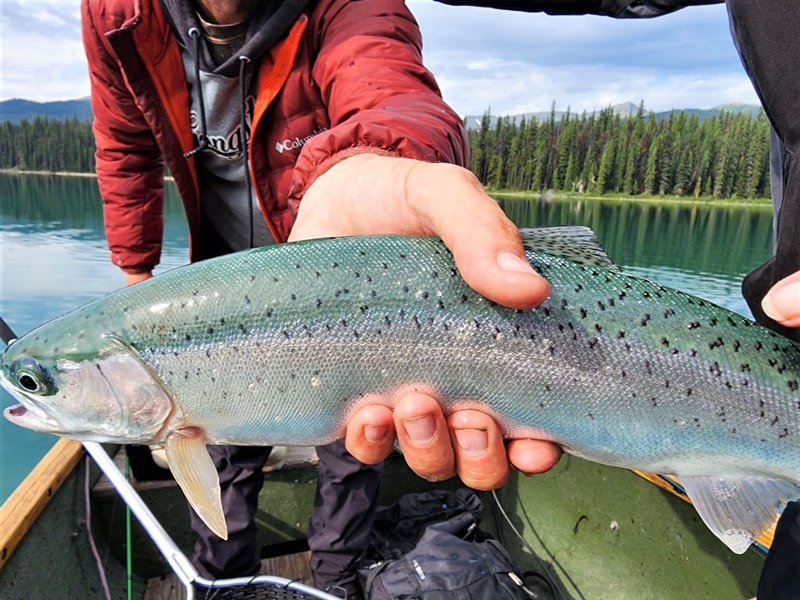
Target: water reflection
699,248
53,258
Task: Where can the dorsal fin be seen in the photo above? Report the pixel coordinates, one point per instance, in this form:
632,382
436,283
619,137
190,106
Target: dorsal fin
576,243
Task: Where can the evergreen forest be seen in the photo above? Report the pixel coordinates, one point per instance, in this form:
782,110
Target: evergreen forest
45,144
724,156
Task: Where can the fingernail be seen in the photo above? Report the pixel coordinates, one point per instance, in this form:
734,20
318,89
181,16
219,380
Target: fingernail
508,261
375,434
472,442
783,304
421,430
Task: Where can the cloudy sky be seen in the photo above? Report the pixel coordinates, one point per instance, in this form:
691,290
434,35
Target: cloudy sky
509,62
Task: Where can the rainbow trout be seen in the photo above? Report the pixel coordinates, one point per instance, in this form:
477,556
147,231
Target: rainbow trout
278,345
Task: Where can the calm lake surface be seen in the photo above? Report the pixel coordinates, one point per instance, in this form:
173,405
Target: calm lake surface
53,258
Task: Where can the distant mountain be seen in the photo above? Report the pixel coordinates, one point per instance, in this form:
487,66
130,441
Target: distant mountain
17,109
625,109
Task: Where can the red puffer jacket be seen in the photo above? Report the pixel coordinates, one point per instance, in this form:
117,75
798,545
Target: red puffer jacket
347,78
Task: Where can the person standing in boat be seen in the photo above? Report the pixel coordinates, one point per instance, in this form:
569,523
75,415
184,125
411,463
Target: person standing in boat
288,120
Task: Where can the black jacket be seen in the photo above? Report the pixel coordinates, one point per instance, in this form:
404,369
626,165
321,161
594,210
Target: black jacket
611,8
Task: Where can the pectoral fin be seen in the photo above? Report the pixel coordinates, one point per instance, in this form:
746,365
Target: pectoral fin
738,510
195,472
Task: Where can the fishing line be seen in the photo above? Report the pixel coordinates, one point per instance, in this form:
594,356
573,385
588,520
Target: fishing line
554,584
101,572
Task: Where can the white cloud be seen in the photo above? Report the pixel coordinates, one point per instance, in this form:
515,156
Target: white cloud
41,54
509,61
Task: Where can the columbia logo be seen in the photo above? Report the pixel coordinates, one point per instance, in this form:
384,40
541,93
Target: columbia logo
296,143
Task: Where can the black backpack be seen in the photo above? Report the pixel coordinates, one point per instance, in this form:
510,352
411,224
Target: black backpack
428,547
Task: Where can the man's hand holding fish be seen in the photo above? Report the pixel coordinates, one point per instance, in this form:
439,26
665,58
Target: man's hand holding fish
412,197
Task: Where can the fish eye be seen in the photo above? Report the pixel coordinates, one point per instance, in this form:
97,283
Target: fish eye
32,377
28,382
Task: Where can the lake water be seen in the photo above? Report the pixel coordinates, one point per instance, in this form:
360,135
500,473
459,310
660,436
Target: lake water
53,258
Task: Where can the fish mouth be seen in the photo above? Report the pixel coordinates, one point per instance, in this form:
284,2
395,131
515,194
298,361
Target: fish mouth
19,414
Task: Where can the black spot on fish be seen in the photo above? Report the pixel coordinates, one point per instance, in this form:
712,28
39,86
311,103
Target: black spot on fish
335,265
592,342
622,295
477,323
441,305
286,334
583,312
222,320
188,338
598,327
715,369
669,313
578,288
363,308
425,295
665,342
688,392
600,305
434,274
387,320
620,334
319,302
405,289
464,298
792,385
784,434
268,312
453,272
694,325
774,420
416,322
717,343
758,346
343,322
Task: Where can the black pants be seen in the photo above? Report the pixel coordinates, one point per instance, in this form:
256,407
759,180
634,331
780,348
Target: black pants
341,518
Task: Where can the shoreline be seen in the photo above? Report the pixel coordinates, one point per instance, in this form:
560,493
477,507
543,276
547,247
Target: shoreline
517,194
686,200
58,173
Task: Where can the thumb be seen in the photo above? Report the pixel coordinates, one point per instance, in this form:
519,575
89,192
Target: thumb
782,302
486,245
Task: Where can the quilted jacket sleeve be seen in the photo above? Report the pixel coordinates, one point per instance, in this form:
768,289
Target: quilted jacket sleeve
379,96
129,166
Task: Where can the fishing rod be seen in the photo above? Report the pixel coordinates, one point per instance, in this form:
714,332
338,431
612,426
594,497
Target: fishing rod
6,333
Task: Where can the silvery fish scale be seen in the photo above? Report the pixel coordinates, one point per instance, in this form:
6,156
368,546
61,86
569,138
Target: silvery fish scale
278,345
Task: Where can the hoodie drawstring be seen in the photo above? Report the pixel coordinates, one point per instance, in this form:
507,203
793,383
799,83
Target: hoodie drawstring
243,62
202,139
